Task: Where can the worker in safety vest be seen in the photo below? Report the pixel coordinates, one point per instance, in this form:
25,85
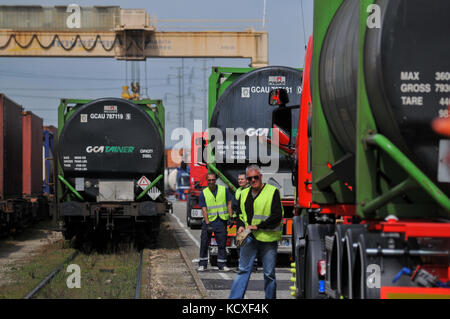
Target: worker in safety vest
215,201
243,183
260,211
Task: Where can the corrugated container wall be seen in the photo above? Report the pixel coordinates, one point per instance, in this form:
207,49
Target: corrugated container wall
32,154
10,148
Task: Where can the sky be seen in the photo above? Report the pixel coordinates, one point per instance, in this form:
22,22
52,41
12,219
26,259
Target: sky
38,83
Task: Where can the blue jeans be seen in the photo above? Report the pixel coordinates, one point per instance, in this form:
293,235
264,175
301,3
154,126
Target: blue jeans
268,255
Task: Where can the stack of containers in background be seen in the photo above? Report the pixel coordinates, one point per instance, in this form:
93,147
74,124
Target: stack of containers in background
32,128
11,208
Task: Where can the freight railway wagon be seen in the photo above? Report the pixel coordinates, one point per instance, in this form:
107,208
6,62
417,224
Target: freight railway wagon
372,214
111,167
240,133
21,194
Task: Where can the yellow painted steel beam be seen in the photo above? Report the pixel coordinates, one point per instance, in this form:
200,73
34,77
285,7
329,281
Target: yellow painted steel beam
139,44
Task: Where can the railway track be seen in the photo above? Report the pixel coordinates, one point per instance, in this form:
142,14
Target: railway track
46,281
139,276
161,272
50,276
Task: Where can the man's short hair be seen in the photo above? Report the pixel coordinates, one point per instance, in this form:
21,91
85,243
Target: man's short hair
253,167
241,173
213,174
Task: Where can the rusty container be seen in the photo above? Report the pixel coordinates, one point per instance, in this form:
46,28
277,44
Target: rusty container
32,127
10,148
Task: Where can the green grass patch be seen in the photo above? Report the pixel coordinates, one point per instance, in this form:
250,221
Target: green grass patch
103,276
23,277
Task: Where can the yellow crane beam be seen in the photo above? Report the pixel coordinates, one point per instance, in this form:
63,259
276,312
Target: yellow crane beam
127,40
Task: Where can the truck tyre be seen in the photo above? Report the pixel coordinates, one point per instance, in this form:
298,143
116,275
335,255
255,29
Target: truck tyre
348,259
298,254
212,259
335,260
188,211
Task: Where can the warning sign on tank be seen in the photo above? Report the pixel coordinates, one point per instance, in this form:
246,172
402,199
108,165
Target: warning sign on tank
144,182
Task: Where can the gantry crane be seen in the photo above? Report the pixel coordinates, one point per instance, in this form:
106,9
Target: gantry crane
110,31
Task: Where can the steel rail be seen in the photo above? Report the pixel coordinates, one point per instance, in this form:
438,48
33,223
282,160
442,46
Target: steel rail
139,275
50,276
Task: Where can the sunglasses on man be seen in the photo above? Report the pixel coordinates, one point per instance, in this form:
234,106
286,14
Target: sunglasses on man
250,178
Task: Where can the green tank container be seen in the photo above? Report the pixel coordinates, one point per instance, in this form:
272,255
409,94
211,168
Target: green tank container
373,106
111,163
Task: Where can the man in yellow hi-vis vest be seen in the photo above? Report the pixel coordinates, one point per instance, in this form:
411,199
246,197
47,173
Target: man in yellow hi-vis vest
243,183
215,201
260,211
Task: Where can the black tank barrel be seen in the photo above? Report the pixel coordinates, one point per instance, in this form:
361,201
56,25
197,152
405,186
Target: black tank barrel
407,75
245,105
111,137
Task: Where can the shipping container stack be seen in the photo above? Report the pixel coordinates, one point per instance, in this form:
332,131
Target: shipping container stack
21,199
32,128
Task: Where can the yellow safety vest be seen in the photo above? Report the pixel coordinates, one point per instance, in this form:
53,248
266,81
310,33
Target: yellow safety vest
237,195
216,206
262,206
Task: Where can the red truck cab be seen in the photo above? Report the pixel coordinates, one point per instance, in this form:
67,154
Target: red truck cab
198,174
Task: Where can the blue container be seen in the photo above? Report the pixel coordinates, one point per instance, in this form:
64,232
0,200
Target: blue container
49,138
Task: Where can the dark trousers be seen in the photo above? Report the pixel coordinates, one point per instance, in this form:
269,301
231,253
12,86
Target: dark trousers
220,234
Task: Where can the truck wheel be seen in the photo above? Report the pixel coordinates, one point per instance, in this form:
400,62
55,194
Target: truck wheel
298,254
335,270
212,259
348,259
188,212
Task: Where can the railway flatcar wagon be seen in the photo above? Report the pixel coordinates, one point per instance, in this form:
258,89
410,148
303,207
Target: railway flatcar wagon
110,177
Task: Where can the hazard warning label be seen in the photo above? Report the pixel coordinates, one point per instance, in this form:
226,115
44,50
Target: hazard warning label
154,192
143,182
